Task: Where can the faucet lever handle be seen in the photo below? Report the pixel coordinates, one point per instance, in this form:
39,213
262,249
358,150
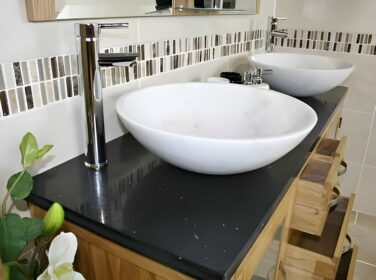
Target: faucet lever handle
279,18
113,25
261,71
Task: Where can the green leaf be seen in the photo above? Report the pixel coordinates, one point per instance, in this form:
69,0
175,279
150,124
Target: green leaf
44,150
23,186
17,274
33,228
12,236
29,150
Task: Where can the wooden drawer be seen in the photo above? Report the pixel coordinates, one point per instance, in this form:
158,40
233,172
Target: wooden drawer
292,273
332,147
345,269
315,186
320,255
317,181
308,219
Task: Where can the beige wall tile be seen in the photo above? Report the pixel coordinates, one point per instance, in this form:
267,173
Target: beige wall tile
371,152
356,125
366,221
363,237
364,271
349,181
365,199
362,83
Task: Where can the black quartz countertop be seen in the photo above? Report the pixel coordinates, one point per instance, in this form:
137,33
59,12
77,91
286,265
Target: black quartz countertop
200,225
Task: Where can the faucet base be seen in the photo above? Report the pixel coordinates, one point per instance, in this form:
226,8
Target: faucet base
96,166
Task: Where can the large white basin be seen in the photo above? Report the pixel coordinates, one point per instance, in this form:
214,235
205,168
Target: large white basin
302,74
216,128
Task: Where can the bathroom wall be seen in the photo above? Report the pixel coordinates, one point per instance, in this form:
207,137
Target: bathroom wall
344,29
40,91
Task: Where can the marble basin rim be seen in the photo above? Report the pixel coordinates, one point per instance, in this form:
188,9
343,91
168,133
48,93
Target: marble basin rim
217,129
302,75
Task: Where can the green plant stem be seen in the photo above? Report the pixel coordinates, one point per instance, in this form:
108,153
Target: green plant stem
4,205
24,254
37,251
19,267
32,260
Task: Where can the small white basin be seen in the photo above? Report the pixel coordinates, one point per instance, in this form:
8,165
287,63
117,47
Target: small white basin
302,74
216,128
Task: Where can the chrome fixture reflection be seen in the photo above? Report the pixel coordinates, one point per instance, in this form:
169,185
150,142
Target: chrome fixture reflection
272,32
255,75
90,64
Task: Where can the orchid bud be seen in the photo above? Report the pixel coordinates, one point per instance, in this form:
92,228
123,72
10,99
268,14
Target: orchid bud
53,220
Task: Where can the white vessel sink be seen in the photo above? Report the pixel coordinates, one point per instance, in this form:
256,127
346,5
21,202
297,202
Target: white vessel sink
216,128
302,74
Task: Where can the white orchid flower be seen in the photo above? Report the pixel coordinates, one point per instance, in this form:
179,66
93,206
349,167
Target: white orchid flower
60,257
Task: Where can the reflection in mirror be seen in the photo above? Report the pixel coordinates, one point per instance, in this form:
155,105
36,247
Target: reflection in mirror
266,268
67,9
45,10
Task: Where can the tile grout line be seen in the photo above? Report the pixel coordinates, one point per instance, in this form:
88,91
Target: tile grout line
364,158
359,111
370,264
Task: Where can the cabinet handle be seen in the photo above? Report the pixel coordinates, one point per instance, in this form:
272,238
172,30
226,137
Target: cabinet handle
340,122
342,170
335,197
347,247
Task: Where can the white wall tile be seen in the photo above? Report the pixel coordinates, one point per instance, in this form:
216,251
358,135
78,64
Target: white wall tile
120,37
58,124
113,125
335,15
195,73
162,28
45,39
362,83
267,8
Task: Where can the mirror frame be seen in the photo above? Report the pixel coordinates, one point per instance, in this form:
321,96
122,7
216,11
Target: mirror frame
44,10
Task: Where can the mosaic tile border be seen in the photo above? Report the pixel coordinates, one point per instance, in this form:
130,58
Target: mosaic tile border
34,83
343,42
25,85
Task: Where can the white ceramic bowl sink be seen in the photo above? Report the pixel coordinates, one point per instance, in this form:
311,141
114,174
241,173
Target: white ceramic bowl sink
216,128
302,74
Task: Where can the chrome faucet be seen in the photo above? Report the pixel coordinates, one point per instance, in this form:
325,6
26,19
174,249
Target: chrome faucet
272,32
90,64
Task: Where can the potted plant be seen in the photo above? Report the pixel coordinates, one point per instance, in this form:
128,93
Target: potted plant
24,240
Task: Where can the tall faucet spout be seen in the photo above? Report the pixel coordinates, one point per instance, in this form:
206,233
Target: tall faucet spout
272,32
90,87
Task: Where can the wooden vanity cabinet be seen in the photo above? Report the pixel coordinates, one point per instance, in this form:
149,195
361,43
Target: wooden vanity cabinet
318,231
98,258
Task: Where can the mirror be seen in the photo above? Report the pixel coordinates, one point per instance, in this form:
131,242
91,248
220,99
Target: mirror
48,10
